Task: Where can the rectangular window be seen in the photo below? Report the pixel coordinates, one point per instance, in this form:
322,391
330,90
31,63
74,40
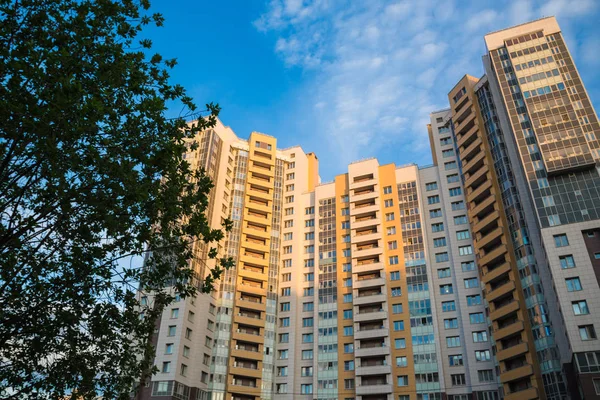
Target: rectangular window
455,360
284,322
398,325
308,306
447,153
474,300
345,224
349,365
309,236
307,322
439,242
347,314
309,223
285,306
348,331
452,178
460,220
580,307
307,338
431,186
403,380
450,165
451,323
166,367
567,261
455,192
441,257
444,273
462,235
396,292
172,330
446,289
477,318
400,343
458,379
453,341
389,203
433,199
387,190
448,306
480,336
561,240
345,211
401,361
587,332
573,284
391,230
284,338
483,355
458,205
392,245
389,216
465,250
435,213
395,275
468,266
397,308
347,298
169,348
307,354
439,227
349,348
485,375
393,260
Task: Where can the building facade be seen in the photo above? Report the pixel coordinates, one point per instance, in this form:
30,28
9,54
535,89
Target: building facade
526,134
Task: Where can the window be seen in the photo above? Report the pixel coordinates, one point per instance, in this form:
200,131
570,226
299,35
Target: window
349,348
349,365
348,331
174,313
347,267
391,230
284,321
286,277
450,165
387,190
307,322
480,336
403,380
348,298
396,292
431,186
183,369
561,240
573,284
282,371
474,300
306,388
433,199
392,245
345,224
465,250
580,307
144,301
453,341
348,384
471,283
389,216
446,289
451,323
283,354
345,211
439,242
435,213
309,236
285,306
284,338
596,385
395,275
400,343
401,362
455,192
281,388
346,252
587,332
398,325
172,330
567,262
347,314
309,223
307,338
286,291
444,273
460,220
447,153
483,355
306,371
348,282
455,360
477,318
287,249
309,210
309,292
308,306
169,348
448,305
393,261
441,257
485,375
307,249
309,263
389,203
452,178
462,235
467,266
309,277
553,220
307,354
439,227
397,308
166,367
458,379
458,205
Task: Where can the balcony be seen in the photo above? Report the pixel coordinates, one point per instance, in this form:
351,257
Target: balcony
370,316
516,373
365,283
364,195
373,370
374,298
363,390
252,273
248,352
366,222
363,182
496,253
247,336
508,330
366,237
369,351
251,302
371,333
527,394
367,252
364,208
476,176
247,319
246,369
503,311
512,352
467,135
473,147
487,204
500,291
496,273
489,237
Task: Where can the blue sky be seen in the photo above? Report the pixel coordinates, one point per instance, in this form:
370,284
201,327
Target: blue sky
348,79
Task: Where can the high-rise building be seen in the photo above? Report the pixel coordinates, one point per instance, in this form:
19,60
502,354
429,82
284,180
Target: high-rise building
362,288
526,134
476,278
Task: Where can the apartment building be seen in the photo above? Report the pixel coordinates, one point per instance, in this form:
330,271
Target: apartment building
361,288
526,135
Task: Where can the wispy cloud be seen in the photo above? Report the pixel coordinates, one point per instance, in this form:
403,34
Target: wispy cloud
378,68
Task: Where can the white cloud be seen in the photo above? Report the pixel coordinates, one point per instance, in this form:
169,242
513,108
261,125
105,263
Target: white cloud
378,68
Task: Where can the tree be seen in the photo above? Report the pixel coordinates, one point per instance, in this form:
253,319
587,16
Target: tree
91,172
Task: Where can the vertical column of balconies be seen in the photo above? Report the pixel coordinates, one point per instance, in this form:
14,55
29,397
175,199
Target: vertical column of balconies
515,352
249,314
371,323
